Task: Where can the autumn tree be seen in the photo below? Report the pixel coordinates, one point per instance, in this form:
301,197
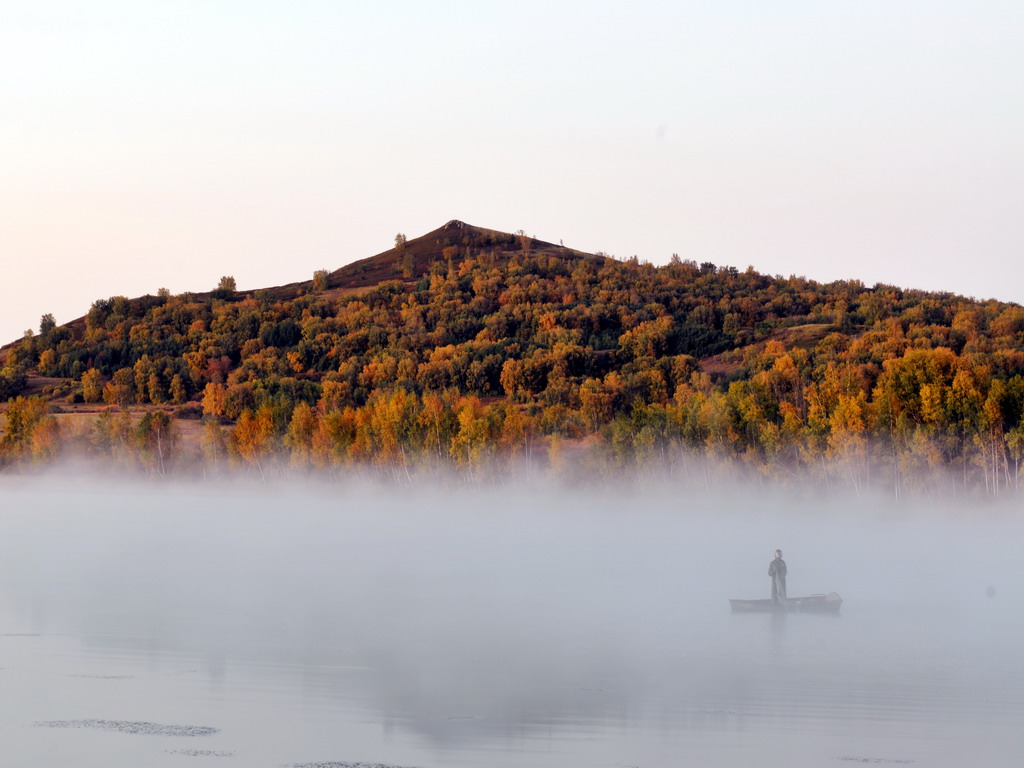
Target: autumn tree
252,437
157,440
301,430
473,441
120,390
438,422
214,399
595,403
47,362
92,386
124,448
23,415
334,395
848,438
47,439
525,241
320,280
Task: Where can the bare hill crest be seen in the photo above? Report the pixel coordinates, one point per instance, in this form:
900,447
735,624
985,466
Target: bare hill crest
454,242
407,262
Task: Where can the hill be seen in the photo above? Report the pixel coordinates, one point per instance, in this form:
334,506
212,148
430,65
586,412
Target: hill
454,242
406,262
468,344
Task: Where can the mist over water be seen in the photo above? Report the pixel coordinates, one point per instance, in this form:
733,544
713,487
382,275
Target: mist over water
542,626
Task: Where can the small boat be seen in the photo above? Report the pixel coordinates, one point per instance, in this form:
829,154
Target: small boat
812,604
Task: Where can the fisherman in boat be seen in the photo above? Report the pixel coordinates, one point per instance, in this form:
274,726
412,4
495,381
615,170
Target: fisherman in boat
777,570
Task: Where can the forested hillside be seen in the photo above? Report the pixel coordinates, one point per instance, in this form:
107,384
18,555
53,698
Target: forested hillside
470,347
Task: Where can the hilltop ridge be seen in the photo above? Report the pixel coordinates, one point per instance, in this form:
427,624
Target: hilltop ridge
454,241
407,262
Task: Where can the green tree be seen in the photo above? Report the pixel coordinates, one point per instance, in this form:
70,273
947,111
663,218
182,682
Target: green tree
226,288
178,392
47,324
13,380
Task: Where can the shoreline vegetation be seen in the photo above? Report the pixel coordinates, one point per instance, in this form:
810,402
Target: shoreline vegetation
155,444
481,353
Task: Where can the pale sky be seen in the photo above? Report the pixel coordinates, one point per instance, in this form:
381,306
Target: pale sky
164,144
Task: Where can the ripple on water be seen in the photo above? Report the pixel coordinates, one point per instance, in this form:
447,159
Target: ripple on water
342,765
199,752
136,728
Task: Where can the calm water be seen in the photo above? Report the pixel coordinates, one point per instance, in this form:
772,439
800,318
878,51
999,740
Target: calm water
247,627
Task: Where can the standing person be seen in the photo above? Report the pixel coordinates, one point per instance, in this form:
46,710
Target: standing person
777,570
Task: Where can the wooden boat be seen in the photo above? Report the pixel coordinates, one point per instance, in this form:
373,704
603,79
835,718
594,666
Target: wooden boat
812,604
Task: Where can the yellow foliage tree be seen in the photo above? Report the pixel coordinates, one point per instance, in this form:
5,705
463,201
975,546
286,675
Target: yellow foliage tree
215,399
92,386
23,414
251,439
301,430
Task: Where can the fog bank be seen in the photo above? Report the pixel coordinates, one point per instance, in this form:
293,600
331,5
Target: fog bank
469,622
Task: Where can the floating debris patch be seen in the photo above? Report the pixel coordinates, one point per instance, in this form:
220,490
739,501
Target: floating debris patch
199,753
105,677
135,728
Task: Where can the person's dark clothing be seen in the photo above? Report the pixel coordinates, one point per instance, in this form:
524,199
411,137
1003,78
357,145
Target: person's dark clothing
777,570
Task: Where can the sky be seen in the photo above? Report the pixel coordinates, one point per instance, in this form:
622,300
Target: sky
165,144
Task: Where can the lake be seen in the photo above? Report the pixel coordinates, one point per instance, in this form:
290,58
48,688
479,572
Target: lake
338,625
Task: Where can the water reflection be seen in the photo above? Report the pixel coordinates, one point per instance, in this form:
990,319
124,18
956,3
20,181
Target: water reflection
778,624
